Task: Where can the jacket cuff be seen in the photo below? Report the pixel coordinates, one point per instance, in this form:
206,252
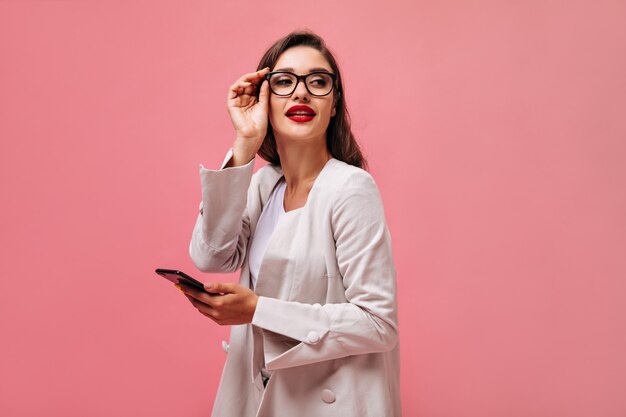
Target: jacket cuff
224,197
307,323
238,176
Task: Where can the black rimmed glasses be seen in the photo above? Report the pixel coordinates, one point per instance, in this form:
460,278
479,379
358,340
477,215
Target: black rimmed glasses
284,83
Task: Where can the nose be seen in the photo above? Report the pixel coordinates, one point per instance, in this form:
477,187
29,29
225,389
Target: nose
301,92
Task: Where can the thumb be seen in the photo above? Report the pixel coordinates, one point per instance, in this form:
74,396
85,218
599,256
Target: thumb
219,287
264,93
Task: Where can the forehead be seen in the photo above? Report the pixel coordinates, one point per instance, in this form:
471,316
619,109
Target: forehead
302,59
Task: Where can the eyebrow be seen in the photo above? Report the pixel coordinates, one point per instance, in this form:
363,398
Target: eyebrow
310,71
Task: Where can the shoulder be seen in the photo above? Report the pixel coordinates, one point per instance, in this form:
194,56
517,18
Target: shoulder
348,180
267,170
262,184
355,194
267,174
356,206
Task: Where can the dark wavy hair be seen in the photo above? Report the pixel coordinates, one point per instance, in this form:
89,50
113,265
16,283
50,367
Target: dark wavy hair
340,140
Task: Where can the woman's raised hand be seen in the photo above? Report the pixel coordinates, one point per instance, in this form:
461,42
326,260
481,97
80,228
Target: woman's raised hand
248,114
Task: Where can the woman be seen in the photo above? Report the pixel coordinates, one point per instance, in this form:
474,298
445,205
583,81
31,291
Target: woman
314,316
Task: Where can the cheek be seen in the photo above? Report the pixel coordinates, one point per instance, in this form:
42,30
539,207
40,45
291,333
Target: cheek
274,117
327,109
274,112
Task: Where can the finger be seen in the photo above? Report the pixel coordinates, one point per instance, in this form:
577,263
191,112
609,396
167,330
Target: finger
260,76
196,294
238,89
232,93
220,287
219,320
264,93
254,76
181,287
243,84
247,80
201,307
209,316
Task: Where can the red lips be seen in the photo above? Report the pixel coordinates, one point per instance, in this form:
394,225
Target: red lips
300,109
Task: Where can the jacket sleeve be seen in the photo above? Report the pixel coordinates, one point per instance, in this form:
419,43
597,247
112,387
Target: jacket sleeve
367,323
219,242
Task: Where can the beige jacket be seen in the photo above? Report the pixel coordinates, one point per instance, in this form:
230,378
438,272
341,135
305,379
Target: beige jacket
326,322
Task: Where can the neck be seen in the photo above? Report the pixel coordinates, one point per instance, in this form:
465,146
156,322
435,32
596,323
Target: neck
302,161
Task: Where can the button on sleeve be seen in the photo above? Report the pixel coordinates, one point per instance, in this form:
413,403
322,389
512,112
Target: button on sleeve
328,396
313,337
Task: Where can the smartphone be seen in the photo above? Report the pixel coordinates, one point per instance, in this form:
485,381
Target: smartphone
179,276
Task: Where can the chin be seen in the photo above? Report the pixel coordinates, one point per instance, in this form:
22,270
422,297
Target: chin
300,136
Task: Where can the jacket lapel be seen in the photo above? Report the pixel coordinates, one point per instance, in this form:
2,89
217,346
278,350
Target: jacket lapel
279,263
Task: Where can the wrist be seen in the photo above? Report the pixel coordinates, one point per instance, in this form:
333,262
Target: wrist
242,155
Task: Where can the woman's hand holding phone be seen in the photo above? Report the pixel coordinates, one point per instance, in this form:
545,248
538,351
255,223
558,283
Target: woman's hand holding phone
248,114
236,306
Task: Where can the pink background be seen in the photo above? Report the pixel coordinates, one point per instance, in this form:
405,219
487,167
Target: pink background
496,131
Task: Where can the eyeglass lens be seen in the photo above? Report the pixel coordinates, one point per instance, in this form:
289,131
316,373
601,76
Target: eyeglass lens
285,84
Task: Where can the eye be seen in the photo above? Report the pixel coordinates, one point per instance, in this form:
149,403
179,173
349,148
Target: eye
284,81
320,82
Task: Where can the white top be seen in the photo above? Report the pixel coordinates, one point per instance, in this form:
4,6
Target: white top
271,213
